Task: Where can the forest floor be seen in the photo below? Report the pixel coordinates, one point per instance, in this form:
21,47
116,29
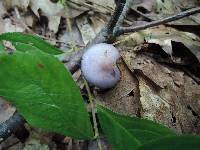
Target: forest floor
160,70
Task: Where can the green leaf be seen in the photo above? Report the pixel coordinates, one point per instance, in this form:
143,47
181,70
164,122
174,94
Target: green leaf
143,130
139,127
2,47
31,40
144,136
45,93
24,47
173,143
118,136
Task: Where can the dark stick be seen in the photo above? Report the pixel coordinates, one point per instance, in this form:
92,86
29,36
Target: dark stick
121,30
115,17
124,13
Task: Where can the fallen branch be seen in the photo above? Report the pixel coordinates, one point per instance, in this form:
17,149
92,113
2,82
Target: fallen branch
121,30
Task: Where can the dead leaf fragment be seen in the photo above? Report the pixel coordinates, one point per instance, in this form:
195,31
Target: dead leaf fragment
21,4
124,96
86,29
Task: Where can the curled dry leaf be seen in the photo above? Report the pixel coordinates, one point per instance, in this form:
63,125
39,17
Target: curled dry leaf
163,36
47,7
163,94
53,11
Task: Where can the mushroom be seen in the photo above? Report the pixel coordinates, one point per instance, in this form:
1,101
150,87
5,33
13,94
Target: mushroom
99,65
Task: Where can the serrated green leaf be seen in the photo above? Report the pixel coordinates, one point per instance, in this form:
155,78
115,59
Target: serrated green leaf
44,93
188,142
117,135
143,130
31,40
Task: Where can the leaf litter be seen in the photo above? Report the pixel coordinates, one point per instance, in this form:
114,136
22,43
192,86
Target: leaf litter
159,66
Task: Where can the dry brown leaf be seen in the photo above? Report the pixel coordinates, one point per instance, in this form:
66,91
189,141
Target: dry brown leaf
22,4
7,25
155,106
151,69
192,93
6,110
166,7
102,6
164,35
87,32
185,4
164,95
98,23
145,4
124,97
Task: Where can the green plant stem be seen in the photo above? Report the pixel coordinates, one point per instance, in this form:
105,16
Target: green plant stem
93,109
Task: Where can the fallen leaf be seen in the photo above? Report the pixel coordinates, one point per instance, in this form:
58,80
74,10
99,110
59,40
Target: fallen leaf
124,97
87,32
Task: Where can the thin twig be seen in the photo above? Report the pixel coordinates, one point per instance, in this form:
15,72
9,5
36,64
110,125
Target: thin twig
121,30
93,109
